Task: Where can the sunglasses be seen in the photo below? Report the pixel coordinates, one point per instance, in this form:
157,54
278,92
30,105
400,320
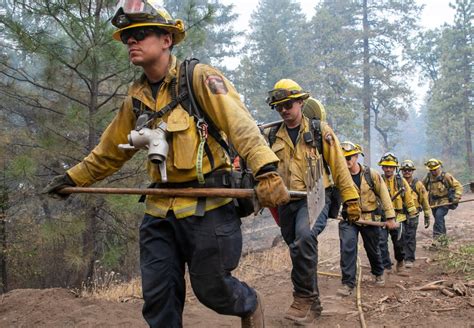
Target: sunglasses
284,105
348,158
139,34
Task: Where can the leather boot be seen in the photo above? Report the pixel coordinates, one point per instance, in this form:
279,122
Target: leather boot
304,309
256,319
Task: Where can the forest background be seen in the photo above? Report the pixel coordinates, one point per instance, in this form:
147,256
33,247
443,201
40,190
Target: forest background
62,79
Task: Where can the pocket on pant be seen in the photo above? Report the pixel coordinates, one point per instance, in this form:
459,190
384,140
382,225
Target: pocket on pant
229,239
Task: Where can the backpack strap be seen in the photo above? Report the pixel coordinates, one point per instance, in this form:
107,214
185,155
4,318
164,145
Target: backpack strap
398,179
315,125
188,101
368,178
272,134
413,185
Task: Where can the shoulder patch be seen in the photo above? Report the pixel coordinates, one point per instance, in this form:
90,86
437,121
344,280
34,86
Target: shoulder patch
216,84
329,139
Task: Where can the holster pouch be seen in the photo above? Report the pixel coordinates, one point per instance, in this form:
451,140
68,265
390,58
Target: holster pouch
243,179
335,201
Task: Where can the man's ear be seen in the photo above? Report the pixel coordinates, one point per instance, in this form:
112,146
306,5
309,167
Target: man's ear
167,40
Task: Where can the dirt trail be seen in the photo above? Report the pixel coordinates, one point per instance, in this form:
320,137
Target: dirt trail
395,305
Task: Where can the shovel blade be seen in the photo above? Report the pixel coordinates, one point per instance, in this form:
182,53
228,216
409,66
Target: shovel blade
316,198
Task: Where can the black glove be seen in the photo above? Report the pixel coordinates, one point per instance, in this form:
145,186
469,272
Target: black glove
57,183
427,221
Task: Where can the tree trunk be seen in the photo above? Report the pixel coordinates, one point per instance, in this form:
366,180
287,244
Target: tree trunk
3,239
366,98
3,251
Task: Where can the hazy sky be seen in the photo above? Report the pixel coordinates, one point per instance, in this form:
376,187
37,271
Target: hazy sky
436,12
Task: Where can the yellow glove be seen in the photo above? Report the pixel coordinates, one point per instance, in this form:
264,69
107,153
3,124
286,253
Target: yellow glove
353,210
270,190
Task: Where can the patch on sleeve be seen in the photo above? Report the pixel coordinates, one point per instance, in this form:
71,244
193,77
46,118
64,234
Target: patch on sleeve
329,139
216,84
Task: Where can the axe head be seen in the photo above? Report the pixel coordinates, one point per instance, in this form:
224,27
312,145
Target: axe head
316,198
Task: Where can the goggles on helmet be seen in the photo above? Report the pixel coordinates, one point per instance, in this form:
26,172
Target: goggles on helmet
135,11
389,157
348,146
277,95
408,166
433,164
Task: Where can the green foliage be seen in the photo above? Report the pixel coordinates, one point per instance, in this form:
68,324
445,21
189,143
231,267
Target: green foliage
22,167
271,53
459,261
449,107
125,204
210,33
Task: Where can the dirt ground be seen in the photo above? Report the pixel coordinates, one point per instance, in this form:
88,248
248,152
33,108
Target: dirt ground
398,304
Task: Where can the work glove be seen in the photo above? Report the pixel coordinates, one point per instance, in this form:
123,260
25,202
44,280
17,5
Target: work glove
353,210
390,224
57,183
270,190
427,221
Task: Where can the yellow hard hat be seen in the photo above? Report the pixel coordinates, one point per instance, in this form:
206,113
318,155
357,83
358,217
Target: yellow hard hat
433,164
349,148
312,108
408,165
136,13
388,159
285,90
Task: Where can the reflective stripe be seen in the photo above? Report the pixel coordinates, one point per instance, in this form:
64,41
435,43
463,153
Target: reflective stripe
183,211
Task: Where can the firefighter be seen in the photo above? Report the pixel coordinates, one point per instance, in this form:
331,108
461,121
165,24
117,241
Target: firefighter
373,193
442,188
203,233
292,142
420,198
402,202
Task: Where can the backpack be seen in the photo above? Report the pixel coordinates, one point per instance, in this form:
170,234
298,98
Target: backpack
370,181
451,191
185,97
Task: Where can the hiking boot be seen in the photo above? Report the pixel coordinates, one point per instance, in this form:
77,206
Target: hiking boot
345,291
388,270
380,280
409,264
400,266
304,309
257,318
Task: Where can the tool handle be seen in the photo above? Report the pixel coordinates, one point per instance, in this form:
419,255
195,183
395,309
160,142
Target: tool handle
174,192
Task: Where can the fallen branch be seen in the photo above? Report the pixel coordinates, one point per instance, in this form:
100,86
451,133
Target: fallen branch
446,292
444,310
429,286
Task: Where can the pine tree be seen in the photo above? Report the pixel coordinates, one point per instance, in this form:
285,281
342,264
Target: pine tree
272,53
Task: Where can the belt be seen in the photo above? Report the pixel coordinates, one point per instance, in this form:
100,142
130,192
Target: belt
214,179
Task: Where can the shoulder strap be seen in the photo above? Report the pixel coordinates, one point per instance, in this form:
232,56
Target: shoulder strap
413,185
188,101
315,125
445,180
400,184
368,178
272,134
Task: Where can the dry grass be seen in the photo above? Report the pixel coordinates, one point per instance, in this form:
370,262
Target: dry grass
107,286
